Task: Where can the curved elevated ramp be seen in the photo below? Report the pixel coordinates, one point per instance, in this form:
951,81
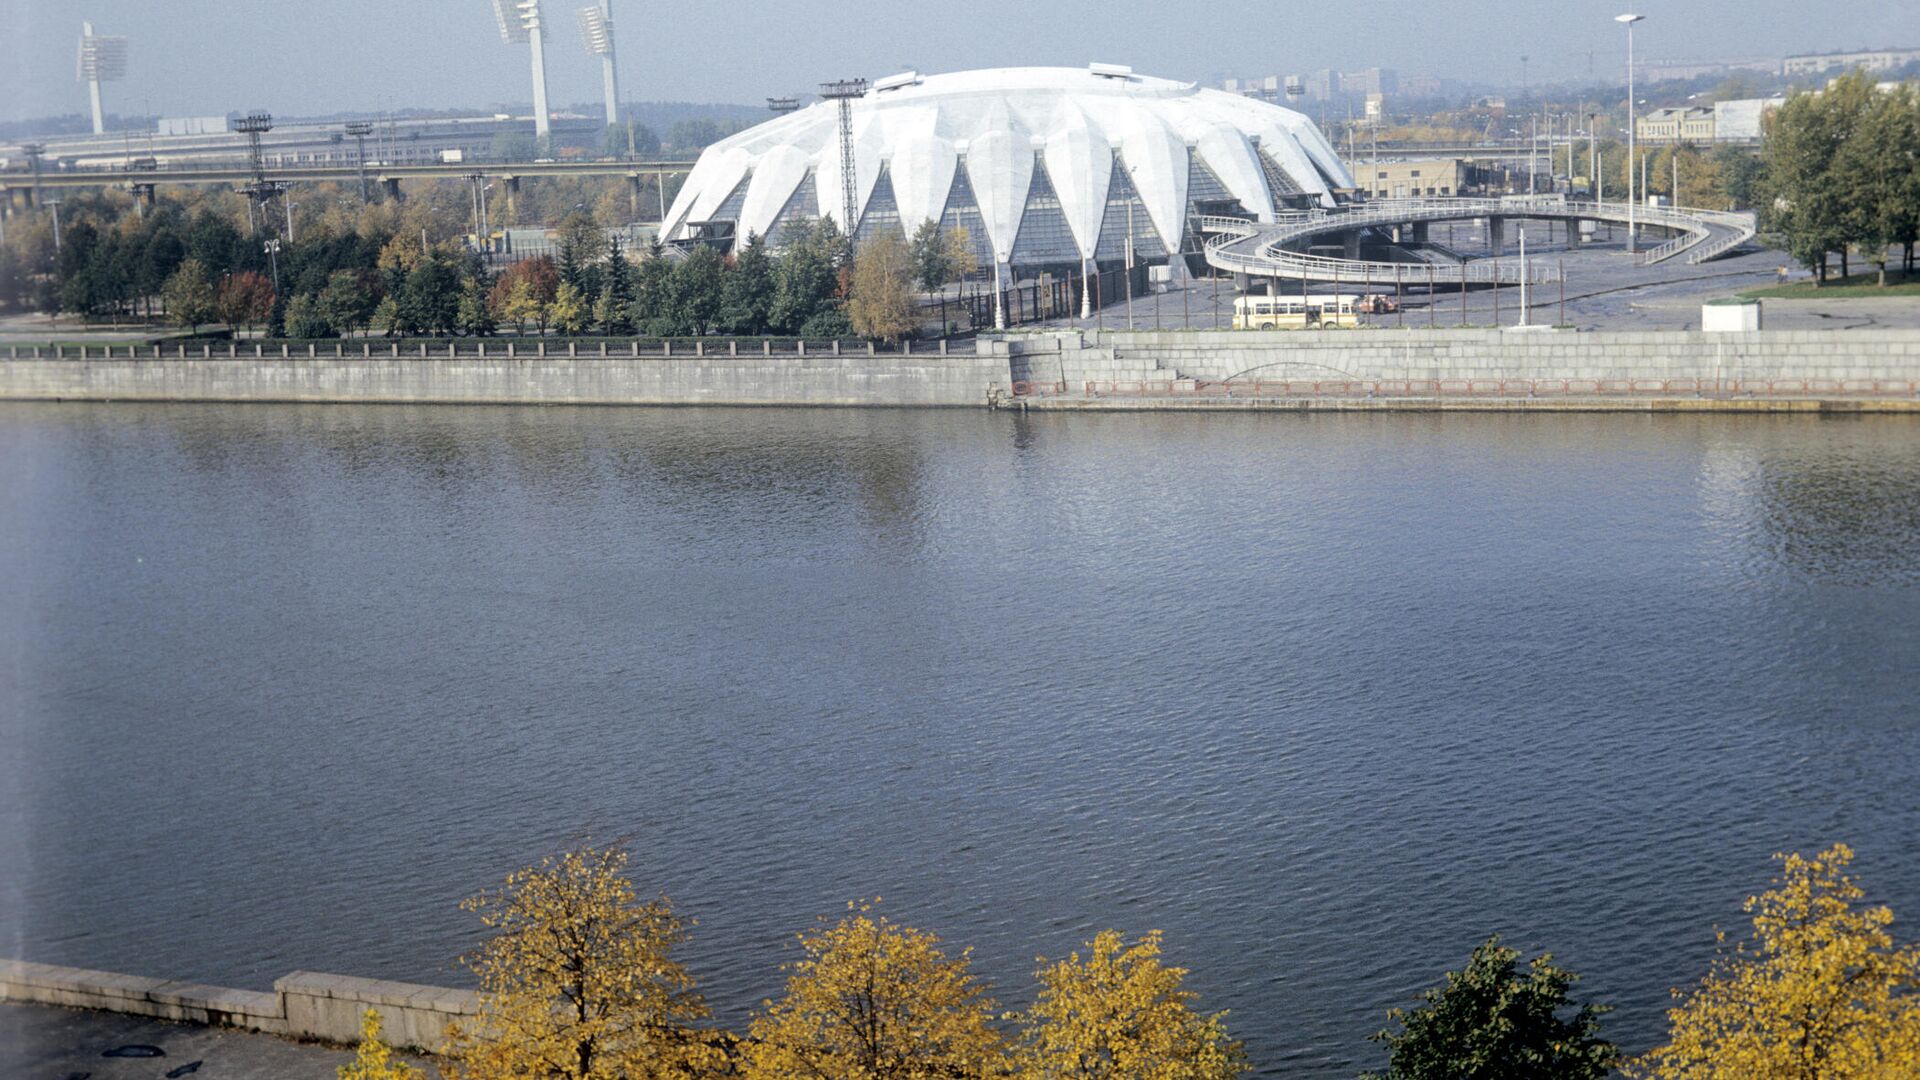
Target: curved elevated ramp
1267,250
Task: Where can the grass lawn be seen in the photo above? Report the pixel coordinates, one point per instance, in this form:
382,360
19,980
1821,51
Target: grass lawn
1852,287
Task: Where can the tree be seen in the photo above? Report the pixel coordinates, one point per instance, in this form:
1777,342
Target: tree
430,298
1121,1014
306,318
386,317
347,301
374,1059
475,317
568,312
881,302
1877,162
614,310
245,299
806,276
580,247
1491,1023
698,289
932,267
960,257
1805,196
747,302
578,980
524,306
1819,992
871,1000
189,296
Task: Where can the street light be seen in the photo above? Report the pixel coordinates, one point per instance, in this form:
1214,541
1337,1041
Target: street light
1632,149
272,248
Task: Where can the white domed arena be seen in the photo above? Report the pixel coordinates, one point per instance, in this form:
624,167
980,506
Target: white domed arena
1046,168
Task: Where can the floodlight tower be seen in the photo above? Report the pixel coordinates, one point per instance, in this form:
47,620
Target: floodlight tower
360,129
843,92
254,125
102,59
520,23
596,27
781,106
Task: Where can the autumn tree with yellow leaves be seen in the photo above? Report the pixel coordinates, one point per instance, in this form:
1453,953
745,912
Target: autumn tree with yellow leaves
578,981
872,1000
1121,1014
1820,991
374,1059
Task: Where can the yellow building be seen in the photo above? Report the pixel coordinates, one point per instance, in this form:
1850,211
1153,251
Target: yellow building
1693,125
1410,179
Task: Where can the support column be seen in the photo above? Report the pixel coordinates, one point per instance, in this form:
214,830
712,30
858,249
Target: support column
391,185
1574,239
1417,232
512,184
633,194
1497,235
1350,242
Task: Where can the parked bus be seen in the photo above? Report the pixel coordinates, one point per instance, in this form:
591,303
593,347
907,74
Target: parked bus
1296,312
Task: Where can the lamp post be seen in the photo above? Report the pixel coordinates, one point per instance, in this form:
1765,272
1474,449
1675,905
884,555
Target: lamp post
1131,193
272,248
1632,232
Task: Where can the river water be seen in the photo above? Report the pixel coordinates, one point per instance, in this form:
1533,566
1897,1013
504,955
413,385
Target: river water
1328,699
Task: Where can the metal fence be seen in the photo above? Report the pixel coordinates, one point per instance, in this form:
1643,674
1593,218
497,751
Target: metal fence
472,348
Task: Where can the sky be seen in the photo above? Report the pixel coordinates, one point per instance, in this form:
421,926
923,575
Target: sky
309,57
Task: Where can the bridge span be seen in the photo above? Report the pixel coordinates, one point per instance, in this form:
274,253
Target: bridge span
19,188
1275,249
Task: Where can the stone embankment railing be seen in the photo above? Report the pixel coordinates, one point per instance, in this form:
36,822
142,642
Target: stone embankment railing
469,348
303,1005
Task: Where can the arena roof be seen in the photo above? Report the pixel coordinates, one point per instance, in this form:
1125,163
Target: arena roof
1068,142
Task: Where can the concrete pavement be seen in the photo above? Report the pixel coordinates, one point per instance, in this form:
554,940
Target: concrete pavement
47,1042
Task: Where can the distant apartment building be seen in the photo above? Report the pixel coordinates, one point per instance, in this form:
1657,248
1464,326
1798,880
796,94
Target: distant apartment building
1665,70
1326,85
1419,86
1371,81
1691,124
1870,60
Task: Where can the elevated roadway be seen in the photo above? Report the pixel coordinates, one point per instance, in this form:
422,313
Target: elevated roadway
1278,249
15,184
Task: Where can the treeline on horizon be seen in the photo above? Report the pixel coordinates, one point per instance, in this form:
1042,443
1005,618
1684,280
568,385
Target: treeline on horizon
578,980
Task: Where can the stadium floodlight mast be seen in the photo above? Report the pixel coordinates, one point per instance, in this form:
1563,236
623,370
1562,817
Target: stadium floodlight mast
596,30
781,106
254,125
520,24
1628,21
360,129
103,58
843,92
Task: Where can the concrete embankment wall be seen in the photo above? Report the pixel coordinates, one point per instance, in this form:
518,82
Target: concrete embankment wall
1854,356
888,379
304,1004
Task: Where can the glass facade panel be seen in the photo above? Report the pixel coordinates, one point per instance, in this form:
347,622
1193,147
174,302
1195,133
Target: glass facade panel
1044,235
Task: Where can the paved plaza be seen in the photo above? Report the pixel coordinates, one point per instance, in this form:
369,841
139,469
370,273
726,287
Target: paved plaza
47,1042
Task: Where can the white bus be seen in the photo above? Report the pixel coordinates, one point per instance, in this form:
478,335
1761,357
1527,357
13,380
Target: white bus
1296,312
